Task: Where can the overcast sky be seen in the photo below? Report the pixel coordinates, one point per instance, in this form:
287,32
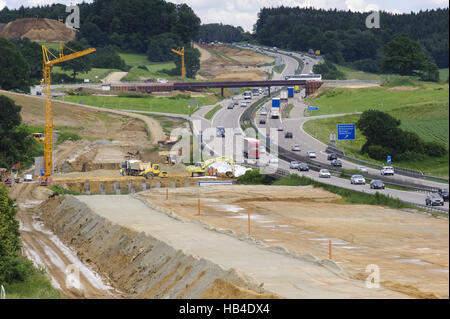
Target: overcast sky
244,12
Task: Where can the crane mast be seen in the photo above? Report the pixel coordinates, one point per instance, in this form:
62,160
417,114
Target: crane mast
48,140
180,51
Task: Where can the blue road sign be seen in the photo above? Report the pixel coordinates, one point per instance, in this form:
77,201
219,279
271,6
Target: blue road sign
389,159
346,132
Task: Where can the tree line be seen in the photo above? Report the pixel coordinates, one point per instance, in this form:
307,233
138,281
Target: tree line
343,38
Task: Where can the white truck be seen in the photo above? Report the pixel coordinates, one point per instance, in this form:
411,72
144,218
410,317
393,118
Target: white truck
284,95
135,167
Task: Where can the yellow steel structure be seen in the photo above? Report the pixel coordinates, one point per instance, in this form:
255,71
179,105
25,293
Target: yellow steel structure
180,51
48,63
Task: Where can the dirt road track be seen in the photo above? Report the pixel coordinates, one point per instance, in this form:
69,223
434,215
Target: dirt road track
114,77
156,131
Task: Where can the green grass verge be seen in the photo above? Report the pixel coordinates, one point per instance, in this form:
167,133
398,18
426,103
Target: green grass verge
63,191
211,113
35,286
287,110
352,74
344,100
279,68
222,55
443,74
176,104
94,76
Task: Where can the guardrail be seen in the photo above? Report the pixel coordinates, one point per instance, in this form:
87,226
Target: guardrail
398,170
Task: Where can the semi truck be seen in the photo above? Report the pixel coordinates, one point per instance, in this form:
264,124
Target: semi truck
283,95
275,111
251,148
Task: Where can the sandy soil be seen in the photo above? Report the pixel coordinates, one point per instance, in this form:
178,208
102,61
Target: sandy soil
114,77
241,66
45,30
410,249
46,250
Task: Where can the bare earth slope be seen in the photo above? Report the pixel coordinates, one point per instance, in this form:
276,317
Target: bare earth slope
41,30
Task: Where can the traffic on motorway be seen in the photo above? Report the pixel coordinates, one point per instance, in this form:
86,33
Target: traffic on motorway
291,137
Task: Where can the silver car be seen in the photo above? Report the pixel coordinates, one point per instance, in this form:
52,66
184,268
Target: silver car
312,154
324,173
294,165
358,179
295,148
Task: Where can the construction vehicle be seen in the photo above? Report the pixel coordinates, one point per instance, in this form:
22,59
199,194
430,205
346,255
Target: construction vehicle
153,171
45,179
201,168
180,51
12,176
135,167
39,137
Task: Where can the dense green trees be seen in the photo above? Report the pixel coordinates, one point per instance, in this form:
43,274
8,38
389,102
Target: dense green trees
79,65
328,71
385,137
219,32
343,37
16,145
403,56
14,69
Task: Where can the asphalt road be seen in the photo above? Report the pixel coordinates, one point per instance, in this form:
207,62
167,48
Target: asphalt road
229,118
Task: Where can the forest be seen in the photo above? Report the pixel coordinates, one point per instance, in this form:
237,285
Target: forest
343,38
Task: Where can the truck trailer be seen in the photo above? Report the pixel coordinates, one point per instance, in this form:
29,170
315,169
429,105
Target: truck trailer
251,148
283,95
275,110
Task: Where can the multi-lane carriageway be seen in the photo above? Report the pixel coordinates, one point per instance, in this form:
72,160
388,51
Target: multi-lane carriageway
230,118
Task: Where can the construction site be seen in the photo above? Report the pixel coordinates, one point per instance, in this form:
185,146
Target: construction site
122,206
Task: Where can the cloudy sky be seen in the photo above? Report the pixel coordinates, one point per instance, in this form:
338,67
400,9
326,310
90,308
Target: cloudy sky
244,12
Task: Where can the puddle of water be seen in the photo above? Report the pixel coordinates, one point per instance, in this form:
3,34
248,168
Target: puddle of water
227,208
39,226
213,200
22,227
282,226
271,240
425,248
54,258
30,204
413,261
438,271
349,247
33,256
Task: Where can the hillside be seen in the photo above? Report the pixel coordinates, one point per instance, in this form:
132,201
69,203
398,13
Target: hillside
40,30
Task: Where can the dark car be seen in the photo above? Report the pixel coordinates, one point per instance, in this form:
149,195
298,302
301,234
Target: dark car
377,184
262,121
303,167
444,194
230,106
434,200
288,135
332,157
336,163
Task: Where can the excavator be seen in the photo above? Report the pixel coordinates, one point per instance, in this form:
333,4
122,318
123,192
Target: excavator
201,168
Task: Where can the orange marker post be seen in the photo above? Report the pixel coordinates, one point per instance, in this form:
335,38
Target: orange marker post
199,206
167,193
249,227
330,249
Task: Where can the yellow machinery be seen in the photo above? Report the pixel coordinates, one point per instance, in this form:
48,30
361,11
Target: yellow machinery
39,137
48,139
152,172
180,51
202,167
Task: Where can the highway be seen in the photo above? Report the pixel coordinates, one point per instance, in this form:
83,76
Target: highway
230,118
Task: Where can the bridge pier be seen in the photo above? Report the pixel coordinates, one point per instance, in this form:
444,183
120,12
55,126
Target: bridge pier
221,91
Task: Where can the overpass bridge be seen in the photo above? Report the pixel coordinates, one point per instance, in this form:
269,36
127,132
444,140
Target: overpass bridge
311,86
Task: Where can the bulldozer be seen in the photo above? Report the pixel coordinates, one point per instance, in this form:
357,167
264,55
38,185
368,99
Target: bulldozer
201,168
153,172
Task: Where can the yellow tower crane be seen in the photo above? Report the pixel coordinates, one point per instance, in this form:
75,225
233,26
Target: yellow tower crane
180,51
48,139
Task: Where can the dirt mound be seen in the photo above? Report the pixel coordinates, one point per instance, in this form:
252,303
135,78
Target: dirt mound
224,290
42,30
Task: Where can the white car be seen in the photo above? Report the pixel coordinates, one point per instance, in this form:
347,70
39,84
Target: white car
312,154
273,161
162,80
243,103
363,169
358,179
263,111
387,170
324,173
295,148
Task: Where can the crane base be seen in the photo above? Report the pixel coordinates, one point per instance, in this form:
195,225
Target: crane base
45,181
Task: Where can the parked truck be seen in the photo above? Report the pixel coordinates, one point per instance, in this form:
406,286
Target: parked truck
290,91
251,148
135,167
275,110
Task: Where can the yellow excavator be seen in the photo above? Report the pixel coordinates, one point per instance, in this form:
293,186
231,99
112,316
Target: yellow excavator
202,167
